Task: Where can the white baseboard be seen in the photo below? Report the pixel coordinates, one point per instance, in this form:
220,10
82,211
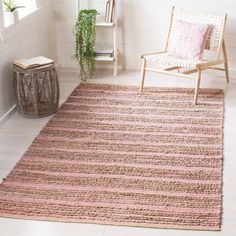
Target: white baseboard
7,115
71,68
68,70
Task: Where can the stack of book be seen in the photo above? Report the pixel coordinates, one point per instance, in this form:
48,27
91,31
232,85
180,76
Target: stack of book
25,63
110,11
104,53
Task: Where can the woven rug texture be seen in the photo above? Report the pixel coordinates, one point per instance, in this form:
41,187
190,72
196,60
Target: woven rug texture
114,156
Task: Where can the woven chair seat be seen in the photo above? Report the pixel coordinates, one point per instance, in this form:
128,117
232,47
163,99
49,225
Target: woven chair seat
165,59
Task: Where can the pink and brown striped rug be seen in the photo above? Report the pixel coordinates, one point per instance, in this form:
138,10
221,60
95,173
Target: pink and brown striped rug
114,156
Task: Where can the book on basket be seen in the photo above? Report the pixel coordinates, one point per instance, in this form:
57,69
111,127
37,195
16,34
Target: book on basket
28,63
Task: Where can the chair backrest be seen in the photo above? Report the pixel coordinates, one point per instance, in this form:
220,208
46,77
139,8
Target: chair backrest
216,36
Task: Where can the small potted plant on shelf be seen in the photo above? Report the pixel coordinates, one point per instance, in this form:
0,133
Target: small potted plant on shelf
11,13
85,32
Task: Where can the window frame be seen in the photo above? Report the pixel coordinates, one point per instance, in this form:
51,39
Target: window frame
32,9
8,31
3,27
1,16
1,21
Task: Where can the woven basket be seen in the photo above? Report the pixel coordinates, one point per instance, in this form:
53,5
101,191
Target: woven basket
36,90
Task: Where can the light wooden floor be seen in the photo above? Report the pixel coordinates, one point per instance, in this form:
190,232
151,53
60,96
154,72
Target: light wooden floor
18,132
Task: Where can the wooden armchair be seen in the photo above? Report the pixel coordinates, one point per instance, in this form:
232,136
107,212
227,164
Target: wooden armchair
181,67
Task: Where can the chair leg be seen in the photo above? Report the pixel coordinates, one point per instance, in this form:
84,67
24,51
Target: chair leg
226,62
143,73
198,81
226,71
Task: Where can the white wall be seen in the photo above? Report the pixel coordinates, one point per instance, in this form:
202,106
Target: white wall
65,21
142,26
32,36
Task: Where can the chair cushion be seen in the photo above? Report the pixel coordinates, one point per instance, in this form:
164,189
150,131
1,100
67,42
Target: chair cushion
188,40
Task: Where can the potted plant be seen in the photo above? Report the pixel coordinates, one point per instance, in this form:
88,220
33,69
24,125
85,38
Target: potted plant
85,33
11,14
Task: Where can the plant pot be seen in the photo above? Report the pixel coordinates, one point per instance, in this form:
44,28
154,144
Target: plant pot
10,18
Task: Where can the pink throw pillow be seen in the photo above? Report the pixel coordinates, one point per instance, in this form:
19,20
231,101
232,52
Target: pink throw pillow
189,40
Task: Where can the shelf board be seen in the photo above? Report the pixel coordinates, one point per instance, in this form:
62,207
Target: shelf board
104,24
104,58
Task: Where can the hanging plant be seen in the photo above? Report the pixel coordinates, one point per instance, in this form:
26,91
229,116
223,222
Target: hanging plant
85,33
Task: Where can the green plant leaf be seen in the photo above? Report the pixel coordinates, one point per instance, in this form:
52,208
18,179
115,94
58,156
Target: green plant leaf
85,33
11,5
